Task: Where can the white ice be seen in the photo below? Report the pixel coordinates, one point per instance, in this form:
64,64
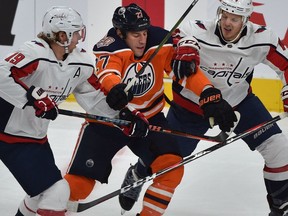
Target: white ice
226,182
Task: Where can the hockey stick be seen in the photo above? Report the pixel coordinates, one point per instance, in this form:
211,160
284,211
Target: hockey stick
129,85
100,119
79,207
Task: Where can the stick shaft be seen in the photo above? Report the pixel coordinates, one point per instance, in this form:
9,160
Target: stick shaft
131,83
79,207
100,119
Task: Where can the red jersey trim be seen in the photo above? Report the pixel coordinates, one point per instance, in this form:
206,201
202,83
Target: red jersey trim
187,104
276,170
16,140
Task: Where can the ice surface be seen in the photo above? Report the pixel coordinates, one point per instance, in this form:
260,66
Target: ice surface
224,183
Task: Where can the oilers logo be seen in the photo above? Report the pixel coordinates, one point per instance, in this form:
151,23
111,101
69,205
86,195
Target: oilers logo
144,82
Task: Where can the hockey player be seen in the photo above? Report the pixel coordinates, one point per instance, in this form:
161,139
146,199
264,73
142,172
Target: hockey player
119,57
34,80
230,48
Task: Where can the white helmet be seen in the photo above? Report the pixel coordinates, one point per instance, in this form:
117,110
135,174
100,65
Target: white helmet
240,7
61,18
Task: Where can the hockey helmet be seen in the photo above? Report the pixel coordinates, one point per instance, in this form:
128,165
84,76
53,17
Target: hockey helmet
130,18
239,7
62,18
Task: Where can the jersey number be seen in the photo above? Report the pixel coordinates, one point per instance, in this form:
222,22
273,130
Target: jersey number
15,58
101,62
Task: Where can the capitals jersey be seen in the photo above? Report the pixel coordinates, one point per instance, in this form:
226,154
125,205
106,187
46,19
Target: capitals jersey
230,66
35,64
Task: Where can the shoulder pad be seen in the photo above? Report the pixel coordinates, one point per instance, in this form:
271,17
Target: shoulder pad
261,29
38,43
156,36
200,24
110,42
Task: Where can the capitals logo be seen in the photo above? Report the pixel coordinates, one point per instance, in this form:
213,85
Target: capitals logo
145,80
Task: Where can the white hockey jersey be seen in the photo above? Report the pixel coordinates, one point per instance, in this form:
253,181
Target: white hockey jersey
35,64
230,66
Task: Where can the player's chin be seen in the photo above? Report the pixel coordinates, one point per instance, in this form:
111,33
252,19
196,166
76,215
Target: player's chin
139,53
228,35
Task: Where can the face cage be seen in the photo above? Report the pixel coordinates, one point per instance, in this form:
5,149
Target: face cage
82,33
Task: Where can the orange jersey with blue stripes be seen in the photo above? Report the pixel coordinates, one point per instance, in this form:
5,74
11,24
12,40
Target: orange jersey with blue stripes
115,63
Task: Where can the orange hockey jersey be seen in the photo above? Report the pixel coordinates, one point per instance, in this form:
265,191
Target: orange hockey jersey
115,62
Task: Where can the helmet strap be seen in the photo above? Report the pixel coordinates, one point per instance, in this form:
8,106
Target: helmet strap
65,45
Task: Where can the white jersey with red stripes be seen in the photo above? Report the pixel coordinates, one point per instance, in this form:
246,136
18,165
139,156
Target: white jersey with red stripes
230,66
35,64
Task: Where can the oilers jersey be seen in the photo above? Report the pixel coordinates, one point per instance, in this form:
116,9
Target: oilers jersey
115,59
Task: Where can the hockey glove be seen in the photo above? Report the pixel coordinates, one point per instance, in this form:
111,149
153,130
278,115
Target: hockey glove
44,106
213,105
185,58
117,98
284,95
139,126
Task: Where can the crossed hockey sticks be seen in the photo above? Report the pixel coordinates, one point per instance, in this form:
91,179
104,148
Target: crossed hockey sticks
79,207
129,85
100,119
